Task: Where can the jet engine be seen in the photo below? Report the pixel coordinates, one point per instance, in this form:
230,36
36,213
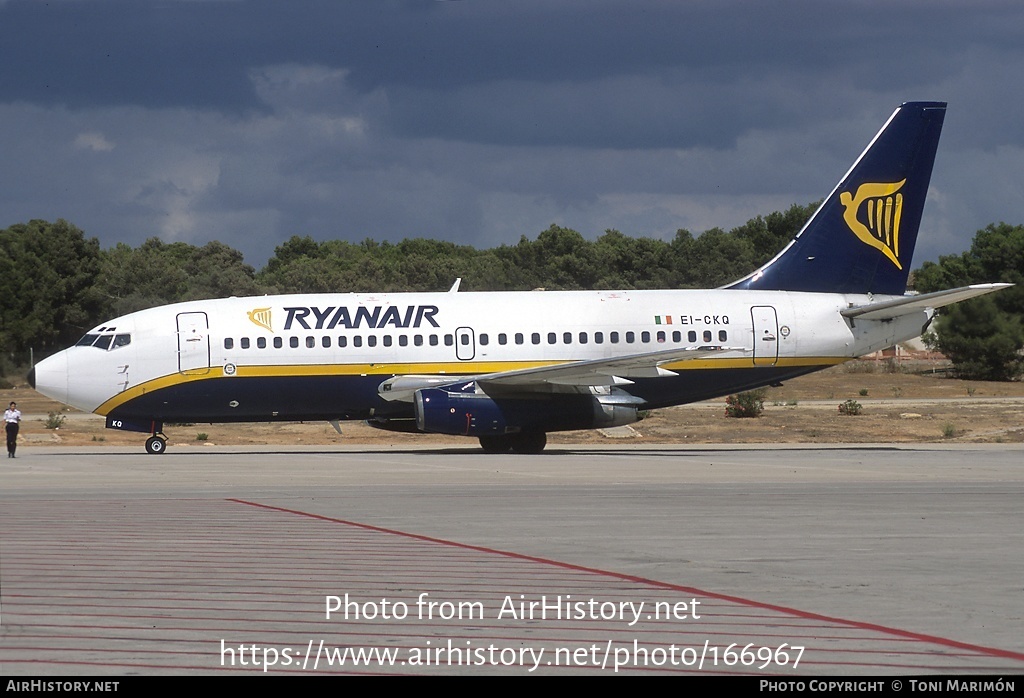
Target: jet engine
476,414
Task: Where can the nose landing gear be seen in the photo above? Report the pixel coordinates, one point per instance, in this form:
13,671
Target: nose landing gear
156,443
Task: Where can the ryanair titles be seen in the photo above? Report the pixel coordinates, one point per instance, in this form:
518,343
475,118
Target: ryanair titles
313,318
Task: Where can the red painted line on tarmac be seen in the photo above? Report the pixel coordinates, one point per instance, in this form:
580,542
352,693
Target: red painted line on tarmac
80,566
990,651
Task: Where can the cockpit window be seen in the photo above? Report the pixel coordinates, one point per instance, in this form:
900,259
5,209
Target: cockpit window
105,341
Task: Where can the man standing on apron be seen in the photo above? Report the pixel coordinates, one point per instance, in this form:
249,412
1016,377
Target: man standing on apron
12,418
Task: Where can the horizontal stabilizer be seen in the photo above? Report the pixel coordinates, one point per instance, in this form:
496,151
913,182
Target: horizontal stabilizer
887,310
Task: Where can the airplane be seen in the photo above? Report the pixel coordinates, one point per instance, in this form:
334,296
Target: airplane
510,367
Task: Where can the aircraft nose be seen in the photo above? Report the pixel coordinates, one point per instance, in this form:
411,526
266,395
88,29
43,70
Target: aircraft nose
50,377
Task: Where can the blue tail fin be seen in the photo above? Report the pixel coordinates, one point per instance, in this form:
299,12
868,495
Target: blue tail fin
861,239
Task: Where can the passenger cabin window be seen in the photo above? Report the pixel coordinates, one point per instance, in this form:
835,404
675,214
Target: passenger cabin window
722,335
677,336
325,342
691,336
707,335
278,342
630,338
449,340
614,337
552,337
261,342
343,342
502,339
244,342
387,340
403,340
645,337
535,337
229,343
293,342
484,339
371,340
357,341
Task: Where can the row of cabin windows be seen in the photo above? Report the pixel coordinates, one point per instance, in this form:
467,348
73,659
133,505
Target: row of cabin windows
356,341
612,337
484,339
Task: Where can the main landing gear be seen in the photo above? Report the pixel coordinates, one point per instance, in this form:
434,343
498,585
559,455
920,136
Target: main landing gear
524,442
156,444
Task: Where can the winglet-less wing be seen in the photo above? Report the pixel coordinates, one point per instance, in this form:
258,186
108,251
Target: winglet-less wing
568,377
887,310
595,372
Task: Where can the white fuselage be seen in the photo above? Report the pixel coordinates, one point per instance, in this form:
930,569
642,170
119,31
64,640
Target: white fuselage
375,337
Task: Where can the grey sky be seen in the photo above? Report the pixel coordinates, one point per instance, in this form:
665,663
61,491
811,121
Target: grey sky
479,121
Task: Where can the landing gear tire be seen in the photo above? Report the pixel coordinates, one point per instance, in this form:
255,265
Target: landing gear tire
495,444
156,445
529,442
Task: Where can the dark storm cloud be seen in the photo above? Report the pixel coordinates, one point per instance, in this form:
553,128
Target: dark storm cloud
650,74
482,120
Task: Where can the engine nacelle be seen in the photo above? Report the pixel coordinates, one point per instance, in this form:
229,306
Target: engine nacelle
476,414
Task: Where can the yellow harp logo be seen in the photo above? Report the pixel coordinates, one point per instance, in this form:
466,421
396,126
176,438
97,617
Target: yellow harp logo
882,206
261,317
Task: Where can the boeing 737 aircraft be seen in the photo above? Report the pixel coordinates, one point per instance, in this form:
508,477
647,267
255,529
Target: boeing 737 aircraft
508,367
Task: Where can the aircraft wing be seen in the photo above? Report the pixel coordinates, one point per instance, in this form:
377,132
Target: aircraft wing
582,375
887,310
569,377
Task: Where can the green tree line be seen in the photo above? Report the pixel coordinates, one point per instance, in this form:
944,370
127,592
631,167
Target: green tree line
56,282
983,336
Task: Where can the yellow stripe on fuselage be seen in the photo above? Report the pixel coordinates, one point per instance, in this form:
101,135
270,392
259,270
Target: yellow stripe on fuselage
745,362
150,386
453,368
